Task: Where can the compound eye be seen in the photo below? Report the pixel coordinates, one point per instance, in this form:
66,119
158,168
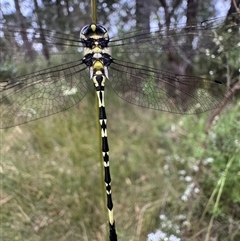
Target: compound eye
85,29
100,29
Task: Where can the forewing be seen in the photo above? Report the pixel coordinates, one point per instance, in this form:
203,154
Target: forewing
181,43
35,45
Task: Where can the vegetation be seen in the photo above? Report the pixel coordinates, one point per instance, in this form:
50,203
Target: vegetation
173,177
51,176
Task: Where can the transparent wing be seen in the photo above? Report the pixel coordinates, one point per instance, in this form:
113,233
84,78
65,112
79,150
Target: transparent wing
42,93
159,90
184,43
35,45
54,89
51,37
157,36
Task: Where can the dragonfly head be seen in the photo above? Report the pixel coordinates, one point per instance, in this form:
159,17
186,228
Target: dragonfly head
93,35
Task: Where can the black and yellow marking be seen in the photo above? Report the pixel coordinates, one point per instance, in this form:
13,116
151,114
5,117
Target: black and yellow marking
97,58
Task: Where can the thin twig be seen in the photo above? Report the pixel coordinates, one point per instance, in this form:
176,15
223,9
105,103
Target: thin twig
234,89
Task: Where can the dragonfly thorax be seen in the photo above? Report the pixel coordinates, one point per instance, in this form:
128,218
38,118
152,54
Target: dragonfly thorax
96,52
98,62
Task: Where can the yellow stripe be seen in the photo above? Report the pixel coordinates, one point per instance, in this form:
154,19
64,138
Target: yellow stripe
110,214
93,27
98,65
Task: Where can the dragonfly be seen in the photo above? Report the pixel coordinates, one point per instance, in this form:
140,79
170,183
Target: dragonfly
117,60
